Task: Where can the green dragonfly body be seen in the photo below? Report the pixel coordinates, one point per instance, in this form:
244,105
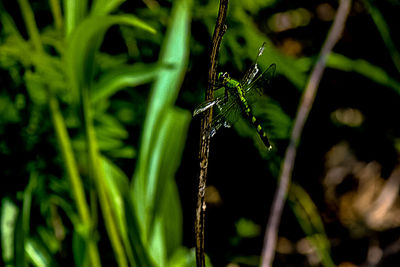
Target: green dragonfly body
235,99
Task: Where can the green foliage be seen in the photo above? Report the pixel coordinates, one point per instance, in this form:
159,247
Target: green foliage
364,68
310,221
75,113
70,76
9,213
154,192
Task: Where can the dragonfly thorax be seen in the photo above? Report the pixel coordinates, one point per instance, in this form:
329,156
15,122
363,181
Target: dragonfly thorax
225,80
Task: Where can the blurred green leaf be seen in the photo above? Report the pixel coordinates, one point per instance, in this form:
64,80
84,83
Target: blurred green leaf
79,250
8,25
123,152
37,254
13,50
162,143
159,120
183,257
9,214
48,238
140,249
35,88
383,29
247,228
310,221
160,198
75,11
84,42
121,78
157,243
103,7
118,186
166,87
172,215
23,225
108,126
364,68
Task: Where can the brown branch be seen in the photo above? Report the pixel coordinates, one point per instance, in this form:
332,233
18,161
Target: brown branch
301,117
219,31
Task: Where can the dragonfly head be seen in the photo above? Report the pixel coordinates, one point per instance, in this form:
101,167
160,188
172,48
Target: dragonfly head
223,77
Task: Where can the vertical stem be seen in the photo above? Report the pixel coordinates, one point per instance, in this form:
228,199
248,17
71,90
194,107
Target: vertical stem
56,10
219,31
73,174
306,103
30,24
383,29
98,176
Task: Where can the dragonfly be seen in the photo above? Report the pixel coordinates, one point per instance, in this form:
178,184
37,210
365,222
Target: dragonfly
235,99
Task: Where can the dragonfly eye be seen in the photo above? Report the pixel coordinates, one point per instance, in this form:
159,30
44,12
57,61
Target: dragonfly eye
223,77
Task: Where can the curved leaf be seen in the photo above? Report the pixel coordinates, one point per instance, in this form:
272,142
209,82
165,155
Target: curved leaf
102,7
121,78
364,68
84,43
162,142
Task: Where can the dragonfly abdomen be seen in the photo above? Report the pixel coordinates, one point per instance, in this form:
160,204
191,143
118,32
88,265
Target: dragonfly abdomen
249,115
261,132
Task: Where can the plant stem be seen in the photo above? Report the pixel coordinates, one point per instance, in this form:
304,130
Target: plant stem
73,174
98,176
301,117
219,31
56,10
30,24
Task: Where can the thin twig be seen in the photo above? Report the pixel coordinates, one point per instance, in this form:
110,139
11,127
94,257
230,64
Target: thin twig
219,31
301,117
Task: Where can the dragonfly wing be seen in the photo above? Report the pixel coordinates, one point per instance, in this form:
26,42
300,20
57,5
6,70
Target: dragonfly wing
253,70
261,82
249,75
206,105
226,117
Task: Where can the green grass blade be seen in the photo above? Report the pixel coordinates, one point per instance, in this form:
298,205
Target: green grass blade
99,177
8,220
183,257
310,221
140,249
364,68
83,45
165,202
164,92
121,78
75,11
103,7
23,233
79,250
30,24
73,174
8,24
37,254
56,11
118,185
383,29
